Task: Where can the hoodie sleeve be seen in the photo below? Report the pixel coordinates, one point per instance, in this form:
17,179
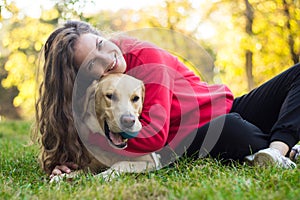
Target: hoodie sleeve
155,67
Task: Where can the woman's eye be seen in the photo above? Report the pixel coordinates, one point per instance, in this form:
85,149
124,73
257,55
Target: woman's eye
91,65
100,44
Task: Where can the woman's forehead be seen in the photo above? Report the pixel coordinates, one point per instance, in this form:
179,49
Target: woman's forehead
85,46
87,42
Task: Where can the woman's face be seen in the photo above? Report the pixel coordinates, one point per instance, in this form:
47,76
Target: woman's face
98,56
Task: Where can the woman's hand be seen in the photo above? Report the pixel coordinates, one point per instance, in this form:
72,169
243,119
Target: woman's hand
65,168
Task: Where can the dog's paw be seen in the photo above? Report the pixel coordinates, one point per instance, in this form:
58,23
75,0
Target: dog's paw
108,175
63,177
57,178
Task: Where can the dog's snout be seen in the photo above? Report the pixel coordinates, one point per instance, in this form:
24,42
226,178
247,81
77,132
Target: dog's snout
127,120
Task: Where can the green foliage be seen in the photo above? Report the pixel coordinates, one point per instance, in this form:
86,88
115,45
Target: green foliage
269,42
21,178
23,40
274,41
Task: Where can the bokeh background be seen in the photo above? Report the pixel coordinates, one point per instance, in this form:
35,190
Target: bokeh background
249,40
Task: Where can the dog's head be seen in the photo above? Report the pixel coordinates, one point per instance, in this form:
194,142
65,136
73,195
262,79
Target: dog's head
118,103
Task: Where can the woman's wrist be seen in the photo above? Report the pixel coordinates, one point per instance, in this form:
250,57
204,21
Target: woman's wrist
282,147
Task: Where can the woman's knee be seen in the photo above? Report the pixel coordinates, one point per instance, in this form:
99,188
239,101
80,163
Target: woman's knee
239,137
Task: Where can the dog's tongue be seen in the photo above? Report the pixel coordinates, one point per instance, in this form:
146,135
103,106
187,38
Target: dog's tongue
116,138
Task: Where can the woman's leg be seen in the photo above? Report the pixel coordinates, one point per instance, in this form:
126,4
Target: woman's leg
274,107
233,138
229,137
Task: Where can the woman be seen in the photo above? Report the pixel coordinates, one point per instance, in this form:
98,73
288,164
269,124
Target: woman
180,111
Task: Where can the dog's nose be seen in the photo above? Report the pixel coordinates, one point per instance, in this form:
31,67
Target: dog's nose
127,120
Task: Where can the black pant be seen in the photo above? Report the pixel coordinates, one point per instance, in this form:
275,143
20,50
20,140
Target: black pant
269,113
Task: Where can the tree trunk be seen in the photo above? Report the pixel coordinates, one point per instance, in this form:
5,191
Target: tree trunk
249,14
291,40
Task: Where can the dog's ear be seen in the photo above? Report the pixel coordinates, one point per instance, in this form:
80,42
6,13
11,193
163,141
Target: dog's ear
90,93
88,115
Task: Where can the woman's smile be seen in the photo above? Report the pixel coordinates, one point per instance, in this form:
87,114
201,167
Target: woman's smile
114,65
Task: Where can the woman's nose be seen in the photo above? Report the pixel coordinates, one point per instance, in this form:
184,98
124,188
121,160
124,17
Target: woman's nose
106,60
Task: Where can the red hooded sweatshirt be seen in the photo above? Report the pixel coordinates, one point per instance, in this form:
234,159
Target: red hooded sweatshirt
176,101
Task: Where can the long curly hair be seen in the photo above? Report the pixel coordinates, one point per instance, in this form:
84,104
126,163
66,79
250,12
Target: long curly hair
54,127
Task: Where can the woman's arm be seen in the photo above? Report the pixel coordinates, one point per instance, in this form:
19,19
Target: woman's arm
156,68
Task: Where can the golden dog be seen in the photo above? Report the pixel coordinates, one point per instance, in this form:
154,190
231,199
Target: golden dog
111,108
118,104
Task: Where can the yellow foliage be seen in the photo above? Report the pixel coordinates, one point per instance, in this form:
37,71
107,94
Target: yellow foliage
38,46
50,14
268,42
24,42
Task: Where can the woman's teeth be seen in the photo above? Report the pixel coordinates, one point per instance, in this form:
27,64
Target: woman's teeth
113,65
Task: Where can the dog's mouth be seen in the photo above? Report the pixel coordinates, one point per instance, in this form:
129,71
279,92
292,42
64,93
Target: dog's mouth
115,139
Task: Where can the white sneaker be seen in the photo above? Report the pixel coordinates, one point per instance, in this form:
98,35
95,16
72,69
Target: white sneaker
270,156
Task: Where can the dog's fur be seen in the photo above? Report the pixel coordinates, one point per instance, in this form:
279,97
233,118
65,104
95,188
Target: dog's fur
118,104
106,103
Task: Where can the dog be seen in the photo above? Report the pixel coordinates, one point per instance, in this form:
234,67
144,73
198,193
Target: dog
111,108
118,104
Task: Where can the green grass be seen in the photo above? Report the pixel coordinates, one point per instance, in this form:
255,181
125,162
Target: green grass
21,178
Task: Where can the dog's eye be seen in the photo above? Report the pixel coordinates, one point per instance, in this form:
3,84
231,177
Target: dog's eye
110,96
135,98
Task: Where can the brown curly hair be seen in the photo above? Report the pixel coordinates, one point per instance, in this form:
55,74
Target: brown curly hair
55,126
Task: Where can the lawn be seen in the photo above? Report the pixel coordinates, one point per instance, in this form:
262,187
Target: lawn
21,178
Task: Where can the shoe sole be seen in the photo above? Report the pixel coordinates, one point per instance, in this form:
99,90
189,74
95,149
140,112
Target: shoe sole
263,159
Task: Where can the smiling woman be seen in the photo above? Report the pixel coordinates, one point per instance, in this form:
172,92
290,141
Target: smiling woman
180,112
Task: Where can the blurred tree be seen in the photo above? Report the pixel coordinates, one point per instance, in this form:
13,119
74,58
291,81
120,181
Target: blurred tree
258,33
249,16
266,31
7,95
22,40
291,11
176,16
164,25
71,9
7,109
